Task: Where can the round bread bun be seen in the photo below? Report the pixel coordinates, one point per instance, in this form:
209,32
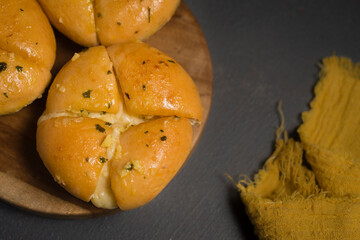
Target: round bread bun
107,22
27,53
117,124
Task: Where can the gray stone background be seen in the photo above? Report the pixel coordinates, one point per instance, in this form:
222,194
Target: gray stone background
262,52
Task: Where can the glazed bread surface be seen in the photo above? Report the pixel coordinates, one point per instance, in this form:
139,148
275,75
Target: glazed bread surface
27,54
116,145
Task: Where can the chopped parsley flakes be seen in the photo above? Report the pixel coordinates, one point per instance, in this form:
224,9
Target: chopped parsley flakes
130,167
102,159
19,68
99,128
87,93
3,66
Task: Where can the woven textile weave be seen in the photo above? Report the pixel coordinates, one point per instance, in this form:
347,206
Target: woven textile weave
287,200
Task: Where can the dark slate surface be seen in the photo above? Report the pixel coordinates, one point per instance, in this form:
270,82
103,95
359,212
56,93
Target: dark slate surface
262,52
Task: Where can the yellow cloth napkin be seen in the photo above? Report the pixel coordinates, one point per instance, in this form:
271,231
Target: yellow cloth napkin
330,133
284,200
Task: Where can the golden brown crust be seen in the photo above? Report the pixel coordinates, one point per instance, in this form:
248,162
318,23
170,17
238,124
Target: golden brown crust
155,151
21,83
108,22
71,150
86,82
73,18
143,157
123,21
25,31
152,83
27,53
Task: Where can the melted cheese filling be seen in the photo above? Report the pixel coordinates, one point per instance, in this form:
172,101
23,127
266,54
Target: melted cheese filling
103,196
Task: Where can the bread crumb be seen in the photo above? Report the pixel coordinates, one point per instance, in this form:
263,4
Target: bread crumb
59,180
137,166
60,88
76,56
107,141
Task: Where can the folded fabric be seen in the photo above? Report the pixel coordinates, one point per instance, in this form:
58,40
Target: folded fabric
285,201
330,133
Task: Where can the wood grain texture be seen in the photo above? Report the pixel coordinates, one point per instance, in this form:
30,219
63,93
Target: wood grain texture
24,180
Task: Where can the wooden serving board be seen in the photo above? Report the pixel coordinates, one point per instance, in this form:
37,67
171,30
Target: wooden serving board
24,180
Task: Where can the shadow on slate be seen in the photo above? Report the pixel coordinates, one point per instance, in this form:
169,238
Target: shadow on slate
237,208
